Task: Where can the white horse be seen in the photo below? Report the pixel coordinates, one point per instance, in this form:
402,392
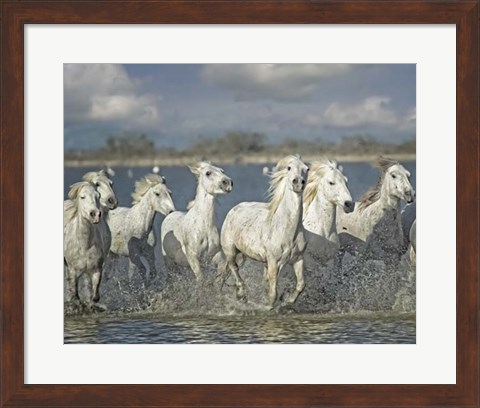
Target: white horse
131,227
108,201
375,225
326,190
189,237
271,232
82,252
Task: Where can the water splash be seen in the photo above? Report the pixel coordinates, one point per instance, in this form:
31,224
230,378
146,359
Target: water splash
366,287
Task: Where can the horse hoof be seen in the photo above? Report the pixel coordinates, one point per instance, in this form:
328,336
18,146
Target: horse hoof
99,307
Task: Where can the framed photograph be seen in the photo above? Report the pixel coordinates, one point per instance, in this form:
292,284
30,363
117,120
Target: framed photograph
240,185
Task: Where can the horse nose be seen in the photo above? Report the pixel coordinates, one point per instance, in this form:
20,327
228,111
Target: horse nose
95,215
349,205
113,202
228,183
409,195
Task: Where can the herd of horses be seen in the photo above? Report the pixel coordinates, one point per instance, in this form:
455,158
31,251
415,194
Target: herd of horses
309,219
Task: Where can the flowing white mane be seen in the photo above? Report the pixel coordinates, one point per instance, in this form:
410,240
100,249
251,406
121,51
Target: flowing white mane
93,176
144,184
70,206
373,194
318,169
276,191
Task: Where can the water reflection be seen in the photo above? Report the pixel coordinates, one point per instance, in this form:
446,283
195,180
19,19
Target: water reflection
373,328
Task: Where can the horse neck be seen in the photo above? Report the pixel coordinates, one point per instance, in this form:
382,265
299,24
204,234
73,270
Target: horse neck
385,208
105,213
204,206
388,202
288,216
143,211
83,228
321,217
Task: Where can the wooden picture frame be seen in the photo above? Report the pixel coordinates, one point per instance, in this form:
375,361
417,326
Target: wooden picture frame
15,14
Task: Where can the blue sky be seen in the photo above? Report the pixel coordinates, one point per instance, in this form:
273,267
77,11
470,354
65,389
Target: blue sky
174,104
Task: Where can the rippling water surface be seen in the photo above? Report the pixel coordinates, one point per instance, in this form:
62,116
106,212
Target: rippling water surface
362,306
302,329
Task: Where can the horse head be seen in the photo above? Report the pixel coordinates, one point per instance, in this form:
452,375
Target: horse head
293,168
86,201
103,184
396,180
327,181
211,179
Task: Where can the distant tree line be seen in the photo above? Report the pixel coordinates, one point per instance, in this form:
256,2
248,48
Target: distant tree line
238,144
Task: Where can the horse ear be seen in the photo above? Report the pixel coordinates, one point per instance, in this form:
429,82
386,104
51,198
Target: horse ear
105,173
194,169
89,177
340,167
384,163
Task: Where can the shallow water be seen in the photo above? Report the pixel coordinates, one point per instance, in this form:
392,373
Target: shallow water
291,328
361,306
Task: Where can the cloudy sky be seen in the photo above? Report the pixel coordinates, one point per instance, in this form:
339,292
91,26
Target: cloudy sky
175,104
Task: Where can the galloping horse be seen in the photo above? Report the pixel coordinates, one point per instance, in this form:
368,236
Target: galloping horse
375,226
326,190
189,237
272,232
131,227
82,249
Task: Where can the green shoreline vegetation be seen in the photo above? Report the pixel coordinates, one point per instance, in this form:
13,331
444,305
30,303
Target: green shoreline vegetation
130,150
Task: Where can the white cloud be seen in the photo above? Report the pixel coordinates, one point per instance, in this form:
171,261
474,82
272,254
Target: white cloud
371,111
271,81
106,93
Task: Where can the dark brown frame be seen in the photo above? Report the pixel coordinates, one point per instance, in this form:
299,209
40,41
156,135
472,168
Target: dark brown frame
465,14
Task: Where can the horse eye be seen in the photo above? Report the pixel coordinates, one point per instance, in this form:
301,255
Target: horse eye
331,183
308,169
208,173
157,194
97,184
289,168
394,176
82,197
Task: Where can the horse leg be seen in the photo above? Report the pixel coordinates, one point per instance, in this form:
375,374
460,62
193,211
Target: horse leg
232,265
194,263
221,263
272,271
131,269
71,280
150,257
298,269
96,278
265,278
